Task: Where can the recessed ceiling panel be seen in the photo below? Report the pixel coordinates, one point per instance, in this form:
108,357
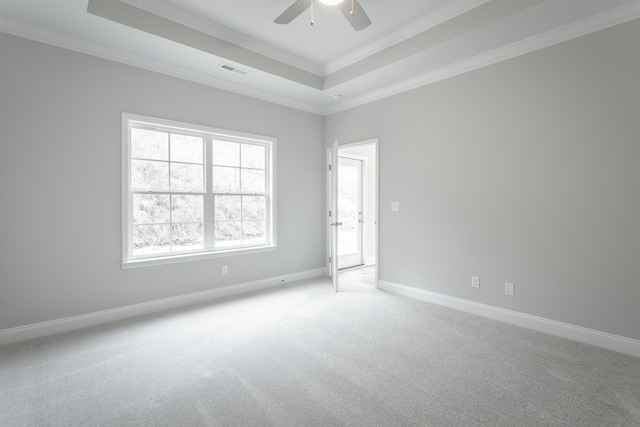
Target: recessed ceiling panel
410,43
329,39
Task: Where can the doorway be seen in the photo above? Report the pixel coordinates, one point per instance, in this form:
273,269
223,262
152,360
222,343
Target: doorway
350,211
353,213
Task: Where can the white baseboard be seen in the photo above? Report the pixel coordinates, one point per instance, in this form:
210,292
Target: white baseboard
565,330
67,324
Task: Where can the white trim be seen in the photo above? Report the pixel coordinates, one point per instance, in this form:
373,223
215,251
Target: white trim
432,19
562,34
126,199
564,330
352,156
327,209
52,38
437,17
571,31
67,324
129,121
176,258
235,135
376,143
200,23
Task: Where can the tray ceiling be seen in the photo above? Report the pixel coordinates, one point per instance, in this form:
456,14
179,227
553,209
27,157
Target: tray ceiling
324,68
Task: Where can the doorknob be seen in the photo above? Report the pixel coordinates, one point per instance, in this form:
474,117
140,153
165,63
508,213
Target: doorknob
335,224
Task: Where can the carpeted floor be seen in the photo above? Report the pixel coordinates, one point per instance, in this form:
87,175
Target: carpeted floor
302,355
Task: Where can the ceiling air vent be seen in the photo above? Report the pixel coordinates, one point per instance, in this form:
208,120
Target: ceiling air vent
234,69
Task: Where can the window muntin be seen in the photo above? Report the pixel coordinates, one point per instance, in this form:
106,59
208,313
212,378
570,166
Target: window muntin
239,185
167,223
194,190
240,220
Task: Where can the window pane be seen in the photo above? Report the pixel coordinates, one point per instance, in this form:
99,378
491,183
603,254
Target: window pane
253,156
226,180
228,234
187,149
226,153
187,177
148,239
149,175
227,208
150,209
186,209
253,181
253,207
149,144
186,237
348,210
253,232
176,171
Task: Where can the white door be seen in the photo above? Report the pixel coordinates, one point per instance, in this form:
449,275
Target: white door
350,212
333,214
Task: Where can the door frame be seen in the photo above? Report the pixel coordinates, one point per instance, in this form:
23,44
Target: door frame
376,238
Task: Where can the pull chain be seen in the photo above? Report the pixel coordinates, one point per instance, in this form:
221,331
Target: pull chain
312,13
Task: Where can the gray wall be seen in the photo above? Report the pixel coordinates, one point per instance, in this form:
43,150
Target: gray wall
526,171
60,233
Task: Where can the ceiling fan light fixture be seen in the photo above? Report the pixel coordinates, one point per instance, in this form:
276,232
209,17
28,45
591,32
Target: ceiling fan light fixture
352,11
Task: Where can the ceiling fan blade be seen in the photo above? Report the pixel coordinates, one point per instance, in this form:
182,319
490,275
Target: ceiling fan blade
359,20
294,10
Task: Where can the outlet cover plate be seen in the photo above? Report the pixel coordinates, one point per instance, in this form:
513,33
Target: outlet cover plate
475,282
509,289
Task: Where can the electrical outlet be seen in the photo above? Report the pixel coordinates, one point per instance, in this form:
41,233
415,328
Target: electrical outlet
475,282
225,270
395,206
509,289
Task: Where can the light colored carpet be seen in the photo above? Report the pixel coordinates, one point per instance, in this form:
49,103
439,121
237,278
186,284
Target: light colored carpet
302,355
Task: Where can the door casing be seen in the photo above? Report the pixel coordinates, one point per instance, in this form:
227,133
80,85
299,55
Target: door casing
330,265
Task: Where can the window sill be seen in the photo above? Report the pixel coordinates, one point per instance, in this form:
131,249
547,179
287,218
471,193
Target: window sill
173,259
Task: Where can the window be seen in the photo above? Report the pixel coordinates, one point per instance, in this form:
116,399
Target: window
193,192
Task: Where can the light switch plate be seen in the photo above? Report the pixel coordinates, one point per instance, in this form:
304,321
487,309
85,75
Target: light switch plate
395,206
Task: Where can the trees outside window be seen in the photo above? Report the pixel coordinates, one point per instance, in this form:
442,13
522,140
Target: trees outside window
193,190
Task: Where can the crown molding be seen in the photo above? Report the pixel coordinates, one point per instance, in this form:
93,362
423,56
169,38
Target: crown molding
58,40
580,28
439,16
568,32
212,29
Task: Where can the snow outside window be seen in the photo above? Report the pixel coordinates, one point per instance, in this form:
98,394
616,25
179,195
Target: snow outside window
193,192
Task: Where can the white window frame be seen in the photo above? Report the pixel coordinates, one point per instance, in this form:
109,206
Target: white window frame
209,134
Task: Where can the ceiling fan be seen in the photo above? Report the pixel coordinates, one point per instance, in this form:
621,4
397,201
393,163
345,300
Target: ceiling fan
351,10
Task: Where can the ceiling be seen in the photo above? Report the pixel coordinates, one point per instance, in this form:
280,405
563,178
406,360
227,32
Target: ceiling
324,68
